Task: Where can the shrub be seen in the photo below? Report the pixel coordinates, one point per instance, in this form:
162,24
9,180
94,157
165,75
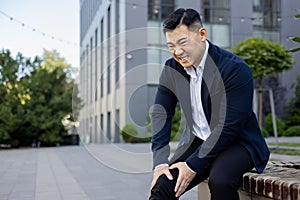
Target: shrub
130,135
50,139
293,107
269,125
264,132
292,131
177,128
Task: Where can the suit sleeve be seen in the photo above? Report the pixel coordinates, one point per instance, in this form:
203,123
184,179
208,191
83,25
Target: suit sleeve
161,118
235,108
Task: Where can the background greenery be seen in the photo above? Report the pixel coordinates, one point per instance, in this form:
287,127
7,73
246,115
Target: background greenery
35,94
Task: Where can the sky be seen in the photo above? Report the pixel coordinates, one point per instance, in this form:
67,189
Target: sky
47,24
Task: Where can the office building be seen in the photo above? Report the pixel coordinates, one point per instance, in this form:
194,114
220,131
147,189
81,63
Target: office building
123,51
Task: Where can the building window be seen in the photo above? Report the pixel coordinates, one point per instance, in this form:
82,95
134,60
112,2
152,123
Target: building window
167,6
87,75
101,128
215,17
108,126
91,69
214,11
96,64
91,138
96,129
266,19
117,126
101,57
117,29
158,10
108,50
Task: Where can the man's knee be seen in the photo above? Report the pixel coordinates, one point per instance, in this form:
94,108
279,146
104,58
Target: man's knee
163,180
164,187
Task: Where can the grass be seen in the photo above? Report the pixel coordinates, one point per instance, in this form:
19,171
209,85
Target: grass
285,151
286,144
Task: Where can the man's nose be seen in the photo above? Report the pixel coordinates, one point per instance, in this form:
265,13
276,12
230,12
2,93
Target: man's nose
178,51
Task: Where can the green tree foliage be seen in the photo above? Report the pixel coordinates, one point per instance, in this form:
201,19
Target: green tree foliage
13,95
294,107
264,58
35,96
292,131
269,125
296,39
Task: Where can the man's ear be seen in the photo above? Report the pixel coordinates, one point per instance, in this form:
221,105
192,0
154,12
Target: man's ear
202,32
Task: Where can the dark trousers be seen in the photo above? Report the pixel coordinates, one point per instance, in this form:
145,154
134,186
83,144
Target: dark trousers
225,175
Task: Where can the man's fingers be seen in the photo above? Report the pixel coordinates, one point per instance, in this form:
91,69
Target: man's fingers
178,183
153,183
181,188
158,173
168,174
174,166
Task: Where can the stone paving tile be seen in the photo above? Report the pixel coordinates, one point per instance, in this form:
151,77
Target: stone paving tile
53,176
71,173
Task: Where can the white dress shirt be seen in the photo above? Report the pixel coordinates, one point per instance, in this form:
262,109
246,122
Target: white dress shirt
200,126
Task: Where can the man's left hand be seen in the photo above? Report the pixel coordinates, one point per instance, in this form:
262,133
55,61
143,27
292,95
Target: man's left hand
185,176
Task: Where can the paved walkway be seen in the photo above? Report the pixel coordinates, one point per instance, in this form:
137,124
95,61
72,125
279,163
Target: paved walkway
100,172
73,173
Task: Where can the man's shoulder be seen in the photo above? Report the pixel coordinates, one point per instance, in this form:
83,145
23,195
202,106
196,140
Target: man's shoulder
222,55
226,60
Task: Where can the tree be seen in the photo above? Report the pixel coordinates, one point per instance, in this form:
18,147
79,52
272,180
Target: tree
52,100
264,58
35,95
13,95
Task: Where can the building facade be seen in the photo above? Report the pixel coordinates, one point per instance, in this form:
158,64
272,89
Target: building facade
123,51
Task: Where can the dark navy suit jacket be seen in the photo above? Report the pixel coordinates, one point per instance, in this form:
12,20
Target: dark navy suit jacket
226,94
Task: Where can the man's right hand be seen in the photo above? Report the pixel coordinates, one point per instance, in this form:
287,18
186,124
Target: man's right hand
158,171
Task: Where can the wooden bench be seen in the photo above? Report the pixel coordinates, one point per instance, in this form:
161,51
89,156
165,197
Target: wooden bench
280,180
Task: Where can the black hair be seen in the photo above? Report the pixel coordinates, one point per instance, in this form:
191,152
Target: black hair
181,16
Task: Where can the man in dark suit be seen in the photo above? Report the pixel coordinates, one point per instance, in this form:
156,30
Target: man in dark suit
222,139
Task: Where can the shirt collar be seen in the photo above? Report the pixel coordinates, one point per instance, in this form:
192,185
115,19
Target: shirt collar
190,71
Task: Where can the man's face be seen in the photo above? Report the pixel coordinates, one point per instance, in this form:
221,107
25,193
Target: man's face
187,47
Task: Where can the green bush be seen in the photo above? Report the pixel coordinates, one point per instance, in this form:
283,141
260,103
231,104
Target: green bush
176,130
50,139
130,135
269,125
264,132
292,131
293,107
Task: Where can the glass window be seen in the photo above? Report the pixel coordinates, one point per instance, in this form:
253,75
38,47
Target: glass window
108,50
159,9
215,16
153,9
101,57
167,6
96,63
220,16
213,11
220,4
266,19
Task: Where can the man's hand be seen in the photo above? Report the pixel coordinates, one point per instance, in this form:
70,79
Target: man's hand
159,171
185,176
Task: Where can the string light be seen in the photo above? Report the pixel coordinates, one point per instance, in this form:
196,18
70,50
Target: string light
33,29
